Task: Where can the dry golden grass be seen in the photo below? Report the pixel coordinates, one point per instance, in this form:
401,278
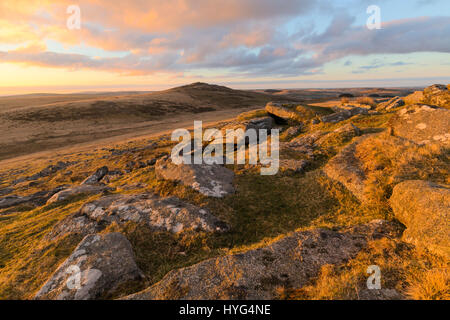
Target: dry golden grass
366,100
413,273
345,100
388,160
264,208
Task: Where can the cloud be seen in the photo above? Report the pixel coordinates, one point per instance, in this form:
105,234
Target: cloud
242,37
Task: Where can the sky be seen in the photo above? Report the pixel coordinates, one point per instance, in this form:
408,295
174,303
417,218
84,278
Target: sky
250,44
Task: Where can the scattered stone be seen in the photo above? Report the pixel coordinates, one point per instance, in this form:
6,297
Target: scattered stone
96,176
260,123
112,174
294,165
210,180
162,214
5,191
49,170
293,131
102,262
38,198
76,190
380,294
337,116
257,274
349,129
424,208
422,124
393,103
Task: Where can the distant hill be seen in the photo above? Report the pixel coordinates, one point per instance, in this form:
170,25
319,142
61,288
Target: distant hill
37,122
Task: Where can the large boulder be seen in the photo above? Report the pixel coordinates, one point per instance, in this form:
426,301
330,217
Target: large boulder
424,208
162,214
211,180
77,190
98,266
257,274
422,124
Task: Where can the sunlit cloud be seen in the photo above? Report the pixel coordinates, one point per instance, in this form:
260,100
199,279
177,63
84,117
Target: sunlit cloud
237,38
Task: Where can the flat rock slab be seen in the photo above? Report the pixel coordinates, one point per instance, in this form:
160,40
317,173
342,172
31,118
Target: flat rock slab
38,198
256,274
282,112
424,208
76,190
98,265
346,168
423,124
210,180
163,214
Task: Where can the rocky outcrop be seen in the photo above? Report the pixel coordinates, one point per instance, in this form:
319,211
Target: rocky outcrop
414,98
424,208
347,169
393,103
77,190
98,265
256,274
282,113
96,176
210,180
422,124
435,89
162,214
438,95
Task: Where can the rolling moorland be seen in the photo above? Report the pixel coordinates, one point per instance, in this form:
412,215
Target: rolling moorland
86,184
